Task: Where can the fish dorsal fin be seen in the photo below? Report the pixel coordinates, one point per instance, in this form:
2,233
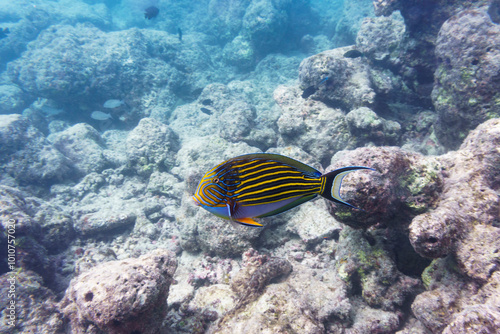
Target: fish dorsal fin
283,159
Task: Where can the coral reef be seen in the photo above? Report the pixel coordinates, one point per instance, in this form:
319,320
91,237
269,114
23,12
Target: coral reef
339,80
108,238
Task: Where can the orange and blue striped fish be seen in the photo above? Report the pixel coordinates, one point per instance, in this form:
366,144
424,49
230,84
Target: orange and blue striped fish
262,184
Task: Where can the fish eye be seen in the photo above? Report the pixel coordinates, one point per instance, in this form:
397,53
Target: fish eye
215,180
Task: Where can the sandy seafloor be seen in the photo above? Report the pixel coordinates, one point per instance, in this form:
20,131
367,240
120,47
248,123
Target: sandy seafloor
108,120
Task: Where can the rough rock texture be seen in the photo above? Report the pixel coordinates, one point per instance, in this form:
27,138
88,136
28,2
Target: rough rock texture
12,99
218,110
41,230
366,125
259,270
423,21
199,228
226,18
368,265
27,156
467,86
311,125
118,296
27,18
454,202
349,23
313,224
470,194
463,196
379,38
348,84
151,146
105,202
147,68
403,185
264,26
83,146
36,309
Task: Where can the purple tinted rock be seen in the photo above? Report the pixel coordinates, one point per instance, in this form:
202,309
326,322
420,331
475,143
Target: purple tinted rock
371,269
479,252
475,319
249,282
35,309
403,185
469,195
121,295
466,89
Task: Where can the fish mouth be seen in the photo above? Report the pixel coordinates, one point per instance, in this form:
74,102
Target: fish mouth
196,202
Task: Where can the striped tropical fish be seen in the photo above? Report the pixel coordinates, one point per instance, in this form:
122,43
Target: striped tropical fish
261,185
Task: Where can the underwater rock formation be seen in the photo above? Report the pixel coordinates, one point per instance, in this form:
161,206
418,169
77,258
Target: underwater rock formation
121,295
454,204
200,228
27,20
151,146
83,146
27,155
338,80
349,24
298,116
469,195
254,29
219,110
403,185
12,99
449,45
379,38
466,90
35,304
60,68
443,204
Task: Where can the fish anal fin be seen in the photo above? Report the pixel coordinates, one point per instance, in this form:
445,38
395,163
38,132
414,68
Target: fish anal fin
248,222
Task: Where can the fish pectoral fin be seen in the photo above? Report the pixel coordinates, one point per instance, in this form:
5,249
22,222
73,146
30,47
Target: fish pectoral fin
231,209
248,222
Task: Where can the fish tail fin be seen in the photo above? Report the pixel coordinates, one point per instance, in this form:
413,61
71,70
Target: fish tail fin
333,182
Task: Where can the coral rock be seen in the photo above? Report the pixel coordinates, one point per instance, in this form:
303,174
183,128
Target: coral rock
466,90
121,296
348,81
